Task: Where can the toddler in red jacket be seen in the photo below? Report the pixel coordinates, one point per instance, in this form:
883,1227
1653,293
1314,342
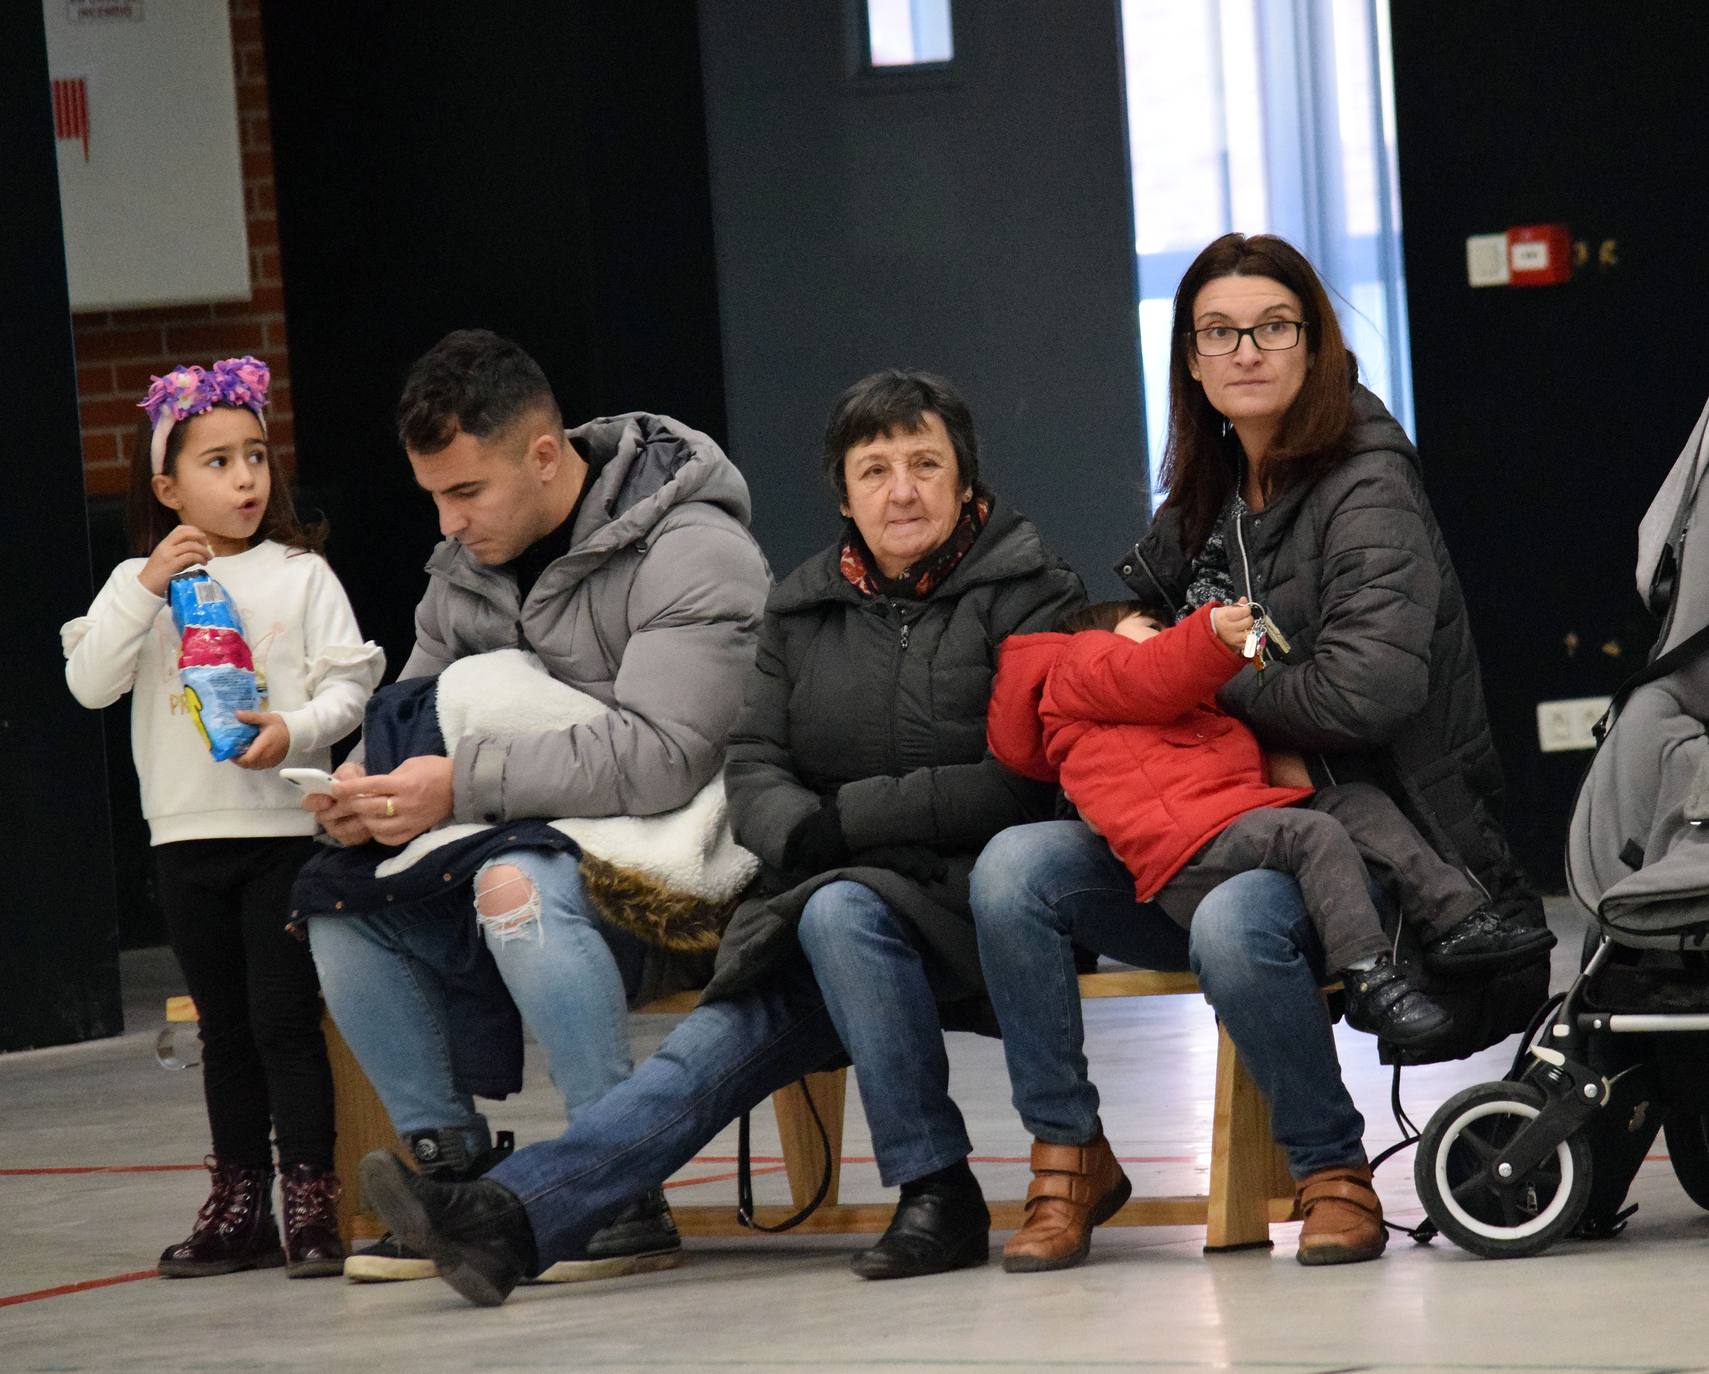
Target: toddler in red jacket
1119,708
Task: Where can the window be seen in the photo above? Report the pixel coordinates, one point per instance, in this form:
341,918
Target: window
907,33
1267,116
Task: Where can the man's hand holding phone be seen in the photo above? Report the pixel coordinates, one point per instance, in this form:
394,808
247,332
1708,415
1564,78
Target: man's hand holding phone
338,815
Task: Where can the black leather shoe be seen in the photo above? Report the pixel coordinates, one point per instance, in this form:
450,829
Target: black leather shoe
441,1154
932,1232
477,1233
1483,943
1382,1002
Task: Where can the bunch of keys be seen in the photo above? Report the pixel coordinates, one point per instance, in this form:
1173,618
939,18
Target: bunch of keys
1258,638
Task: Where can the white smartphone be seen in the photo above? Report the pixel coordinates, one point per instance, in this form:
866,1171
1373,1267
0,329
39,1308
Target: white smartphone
311,780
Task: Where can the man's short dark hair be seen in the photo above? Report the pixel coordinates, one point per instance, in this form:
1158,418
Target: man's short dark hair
897,400
472,382
1106,615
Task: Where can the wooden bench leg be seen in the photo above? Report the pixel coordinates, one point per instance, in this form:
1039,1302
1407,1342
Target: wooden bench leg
803,1151
362,1126
1247,1168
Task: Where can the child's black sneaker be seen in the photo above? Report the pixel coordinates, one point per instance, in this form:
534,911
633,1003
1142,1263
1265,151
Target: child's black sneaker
1381,1001
1483,943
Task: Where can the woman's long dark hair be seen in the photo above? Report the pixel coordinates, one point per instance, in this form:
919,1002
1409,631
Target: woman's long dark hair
147,522
1312,437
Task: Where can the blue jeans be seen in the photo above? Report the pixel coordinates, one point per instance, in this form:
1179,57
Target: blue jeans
865,961
568,972
866,987
1037,889
723,1058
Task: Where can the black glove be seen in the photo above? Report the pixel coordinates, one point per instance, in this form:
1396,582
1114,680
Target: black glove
910,860
817,842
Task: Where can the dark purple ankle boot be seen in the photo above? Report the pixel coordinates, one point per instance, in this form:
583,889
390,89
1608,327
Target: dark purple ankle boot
312,1246
234,1230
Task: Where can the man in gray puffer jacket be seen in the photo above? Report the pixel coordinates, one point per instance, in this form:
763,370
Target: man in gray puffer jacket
619,554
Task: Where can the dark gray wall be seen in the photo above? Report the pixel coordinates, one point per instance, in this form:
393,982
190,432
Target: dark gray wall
976,222
1548,417
59,970
541,172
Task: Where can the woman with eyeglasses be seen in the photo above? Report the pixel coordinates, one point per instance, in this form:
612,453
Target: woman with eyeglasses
1289,486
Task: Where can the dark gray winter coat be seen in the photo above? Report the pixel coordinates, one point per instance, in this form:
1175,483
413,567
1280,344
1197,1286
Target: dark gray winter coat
1381,679
653,611
882,702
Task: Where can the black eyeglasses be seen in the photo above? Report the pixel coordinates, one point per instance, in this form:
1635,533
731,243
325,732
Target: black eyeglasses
1273,336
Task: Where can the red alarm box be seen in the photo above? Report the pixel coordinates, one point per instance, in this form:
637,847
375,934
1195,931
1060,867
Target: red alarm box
1539,255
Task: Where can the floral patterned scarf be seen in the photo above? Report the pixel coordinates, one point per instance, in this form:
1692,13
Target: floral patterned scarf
916,581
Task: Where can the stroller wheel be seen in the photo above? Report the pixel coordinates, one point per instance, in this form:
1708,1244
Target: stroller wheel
1688,1148
1455,1173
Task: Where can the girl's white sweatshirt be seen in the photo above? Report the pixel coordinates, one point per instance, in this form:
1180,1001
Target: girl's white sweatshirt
314,667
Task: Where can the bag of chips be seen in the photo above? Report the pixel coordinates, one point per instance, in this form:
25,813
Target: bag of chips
214,663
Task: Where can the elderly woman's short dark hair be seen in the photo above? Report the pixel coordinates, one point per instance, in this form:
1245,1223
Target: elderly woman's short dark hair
897,400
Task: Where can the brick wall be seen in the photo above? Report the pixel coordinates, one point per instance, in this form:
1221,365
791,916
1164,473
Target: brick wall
118,350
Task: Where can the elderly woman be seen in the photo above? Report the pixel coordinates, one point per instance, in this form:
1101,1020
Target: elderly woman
1289,484
859,774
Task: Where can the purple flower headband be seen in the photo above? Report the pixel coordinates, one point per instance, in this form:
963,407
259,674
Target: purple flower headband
187,391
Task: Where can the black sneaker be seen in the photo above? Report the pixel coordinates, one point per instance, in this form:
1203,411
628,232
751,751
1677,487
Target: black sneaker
641,1240
389,1260
1483,943
1381,1001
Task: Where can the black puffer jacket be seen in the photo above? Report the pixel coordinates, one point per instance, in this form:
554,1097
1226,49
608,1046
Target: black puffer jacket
1381,679
882,703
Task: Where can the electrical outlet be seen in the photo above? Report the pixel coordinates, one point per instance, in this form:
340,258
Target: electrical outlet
1564,725
1486,260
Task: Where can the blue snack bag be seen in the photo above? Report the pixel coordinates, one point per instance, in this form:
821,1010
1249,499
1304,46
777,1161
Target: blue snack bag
214,663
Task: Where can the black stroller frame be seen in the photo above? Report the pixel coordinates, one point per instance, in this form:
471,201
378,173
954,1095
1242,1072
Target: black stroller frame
1507,1168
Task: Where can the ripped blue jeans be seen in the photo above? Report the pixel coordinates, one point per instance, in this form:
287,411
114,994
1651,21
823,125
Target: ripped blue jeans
570,975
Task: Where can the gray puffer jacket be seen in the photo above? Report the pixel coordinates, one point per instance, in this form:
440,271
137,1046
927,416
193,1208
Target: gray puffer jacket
1381,679
653,611
882,703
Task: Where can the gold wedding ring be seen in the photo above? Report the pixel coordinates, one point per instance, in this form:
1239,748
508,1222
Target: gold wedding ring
391,808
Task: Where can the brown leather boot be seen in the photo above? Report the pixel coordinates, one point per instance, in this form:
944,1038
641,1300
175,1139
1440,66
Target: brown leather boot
234,1230
312,1245
1074,1188
1343,1216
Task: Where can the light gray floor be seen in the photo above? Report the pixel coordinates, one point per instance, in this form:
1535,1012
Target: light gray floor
1147,1299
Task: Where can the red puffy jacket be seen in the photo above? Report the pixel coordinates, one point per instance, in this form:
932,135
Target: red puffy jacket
1132,733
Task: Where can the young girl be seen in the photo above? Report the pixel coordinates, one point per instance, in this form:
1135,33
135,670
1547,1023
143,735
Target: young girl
229,837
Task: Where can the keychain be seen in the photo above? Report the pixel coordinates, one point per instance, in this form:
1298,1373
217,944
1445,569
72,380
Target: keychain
1270,630
1259,636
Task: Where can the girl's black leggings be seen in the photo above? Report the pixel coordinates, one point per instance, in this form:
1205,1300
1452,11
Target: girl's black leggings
264,1061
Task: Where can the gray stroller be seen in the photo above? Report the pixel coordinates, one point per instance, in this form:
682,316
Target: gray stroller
1508,1168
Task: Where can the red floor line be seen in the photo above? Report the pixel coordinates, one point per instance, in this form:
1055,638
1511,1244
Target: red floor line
698,1159
83,1287
106,1169
88,1284
720,1178
971,1159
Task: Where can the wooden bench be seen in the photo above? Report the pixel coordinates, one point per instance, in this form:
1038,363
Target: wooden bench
1249,1186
